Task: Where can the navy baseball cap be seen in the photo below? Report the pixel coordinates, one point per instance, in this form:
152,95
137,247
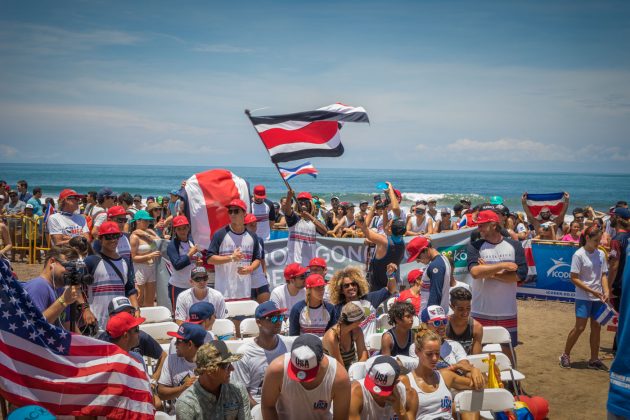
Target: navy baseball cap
106,192
190,332
267,309
199,312
622,212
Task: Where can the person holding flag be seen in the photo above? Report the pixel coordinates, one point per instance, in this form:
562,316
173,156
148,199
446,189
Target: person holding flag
303,228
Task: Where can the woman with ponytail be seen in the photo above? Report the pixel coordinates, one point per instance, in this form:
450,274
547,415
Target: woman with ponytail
433,385
312,315
345,341
589,271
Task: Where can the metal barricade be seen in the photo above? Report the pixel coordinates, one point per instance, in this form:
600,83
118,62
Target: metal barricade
29,237
41,239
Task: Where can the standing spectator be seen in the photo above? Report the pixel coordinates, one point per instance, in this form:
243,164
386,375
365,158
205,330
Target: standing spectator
457,214
303,227
23,194
436,280
383,393
279,222
144,253
305,384
235,254
496,264
5,240
349,285
545,213
312,315
331,215
398,339
589,271
137,203
117,215
264,211
90,199
413,294
574,232
260,284
199,292
126,201
258,353
66,224
432,212
461,326
113,276
15,206
181,252
106,198
345,340
618,247
213,396
445,224
36,202
287,295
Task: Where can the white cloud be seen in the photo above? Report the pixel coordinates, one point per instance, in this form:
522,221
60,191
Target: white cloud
178,147
512,150
221,49
7,151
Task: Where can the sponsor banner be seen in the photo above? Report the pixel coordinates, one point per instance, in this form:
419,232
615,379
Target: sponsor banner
553,268
340,252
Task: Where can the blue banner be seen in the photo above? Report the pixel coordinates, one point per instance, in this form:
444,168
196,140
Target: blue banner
553,268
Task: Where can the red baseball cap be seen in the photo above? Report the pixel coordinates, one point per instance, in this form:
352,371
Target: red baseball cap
304,196
116,211
317,262
398,194
122,322
414,275
180,221
108,228
293,270
250,218
487,216
260,192
237,202
416,246
69,193
315,280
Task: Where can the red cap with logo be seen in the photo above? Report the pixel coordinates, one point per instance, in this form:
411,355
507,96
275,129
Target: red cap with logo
180,221
304,196
317,262
294,270
108,228
69,193
416,246
122,322
237,202
116,211
487,216
315,280
250,218
260,192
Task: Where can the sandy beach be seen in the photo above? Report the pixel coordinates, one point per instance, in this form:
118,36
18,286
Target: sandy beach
576,393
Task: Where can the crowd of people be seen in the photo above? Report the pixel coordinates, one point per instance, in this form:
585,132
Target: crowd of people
313,329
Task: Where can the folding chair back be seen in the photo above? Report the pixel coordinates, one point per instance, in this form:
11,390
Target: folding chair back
357,371
159,330
382,322
224,329
156,314
485,400
249,328
373,342
241,308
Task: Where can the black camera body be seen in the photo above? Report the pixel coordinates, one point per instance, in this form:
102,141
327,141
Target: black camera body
76,274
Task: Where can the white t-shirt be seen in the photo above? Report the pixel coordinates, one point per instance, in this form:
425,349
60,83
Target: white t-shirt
250,370
175,369
187,298
263,211
589,267
422,227
61,224
282,298
99,218
181,278
317,321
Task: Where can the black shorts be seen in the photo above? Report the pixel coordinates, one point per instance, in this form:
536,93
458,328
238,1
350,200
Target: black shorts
259,291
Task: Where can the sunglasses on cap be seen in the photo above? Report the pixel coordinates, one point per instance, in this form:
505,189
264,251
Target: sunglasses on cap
112,236
275,319
349,285
234,211
438,322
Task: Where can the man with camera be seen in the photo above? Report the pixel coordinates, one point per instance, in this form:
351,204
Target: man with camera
50,292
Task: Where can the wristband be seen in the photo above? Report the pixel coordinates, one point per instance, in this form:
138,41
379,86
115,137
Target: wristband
62,301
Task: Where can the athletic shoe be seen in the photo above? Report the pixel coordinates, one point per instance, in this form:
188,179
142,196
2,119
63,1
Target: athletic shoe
565,361
597,365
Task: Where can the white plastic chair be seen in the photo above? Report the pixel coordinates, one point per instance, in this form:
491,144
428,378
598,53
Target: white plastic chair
159,330
249,328
224,329
389,303
166,347
502,362
241,308
492,339
373,342
357,371
233,345
382,322
494,400
256,412
161,415
156,314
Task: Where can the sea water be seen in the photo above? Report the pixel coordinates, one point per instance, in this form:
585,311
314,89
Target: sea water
598,190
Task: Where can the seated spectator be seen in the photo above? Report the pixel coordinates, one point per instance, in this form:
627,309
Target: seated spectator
574,232
123,329
413,295
349,285
257,354
384,393
457,214
445,223
200,313
345,341
212,395
287,295
198,292
178,371
419,223
305,383
397,340
461,326
312,315
279,222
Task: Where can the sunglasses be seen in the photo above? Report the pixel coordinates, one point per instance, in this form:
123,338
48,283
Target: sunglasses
438,322
112,236
300,277
120,220
234,211
579,217
135,329
180,341
200,279
349,285
275,319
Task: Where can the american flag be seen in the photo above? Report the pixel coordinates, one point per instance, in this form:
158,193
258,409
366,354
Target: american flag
68,374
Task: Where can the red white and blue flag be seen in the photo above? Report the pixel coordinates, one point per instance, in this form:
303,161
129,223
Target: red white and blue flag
68,374
50,210
206,196
605,314
304,169
553,201
306,134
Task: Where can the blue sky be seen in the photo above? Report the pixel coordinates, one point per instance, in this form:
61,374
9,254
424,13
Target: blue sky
447,85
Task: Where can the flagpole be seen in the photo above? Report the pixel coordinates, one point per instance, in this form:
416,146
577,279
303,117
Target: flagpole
249,115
